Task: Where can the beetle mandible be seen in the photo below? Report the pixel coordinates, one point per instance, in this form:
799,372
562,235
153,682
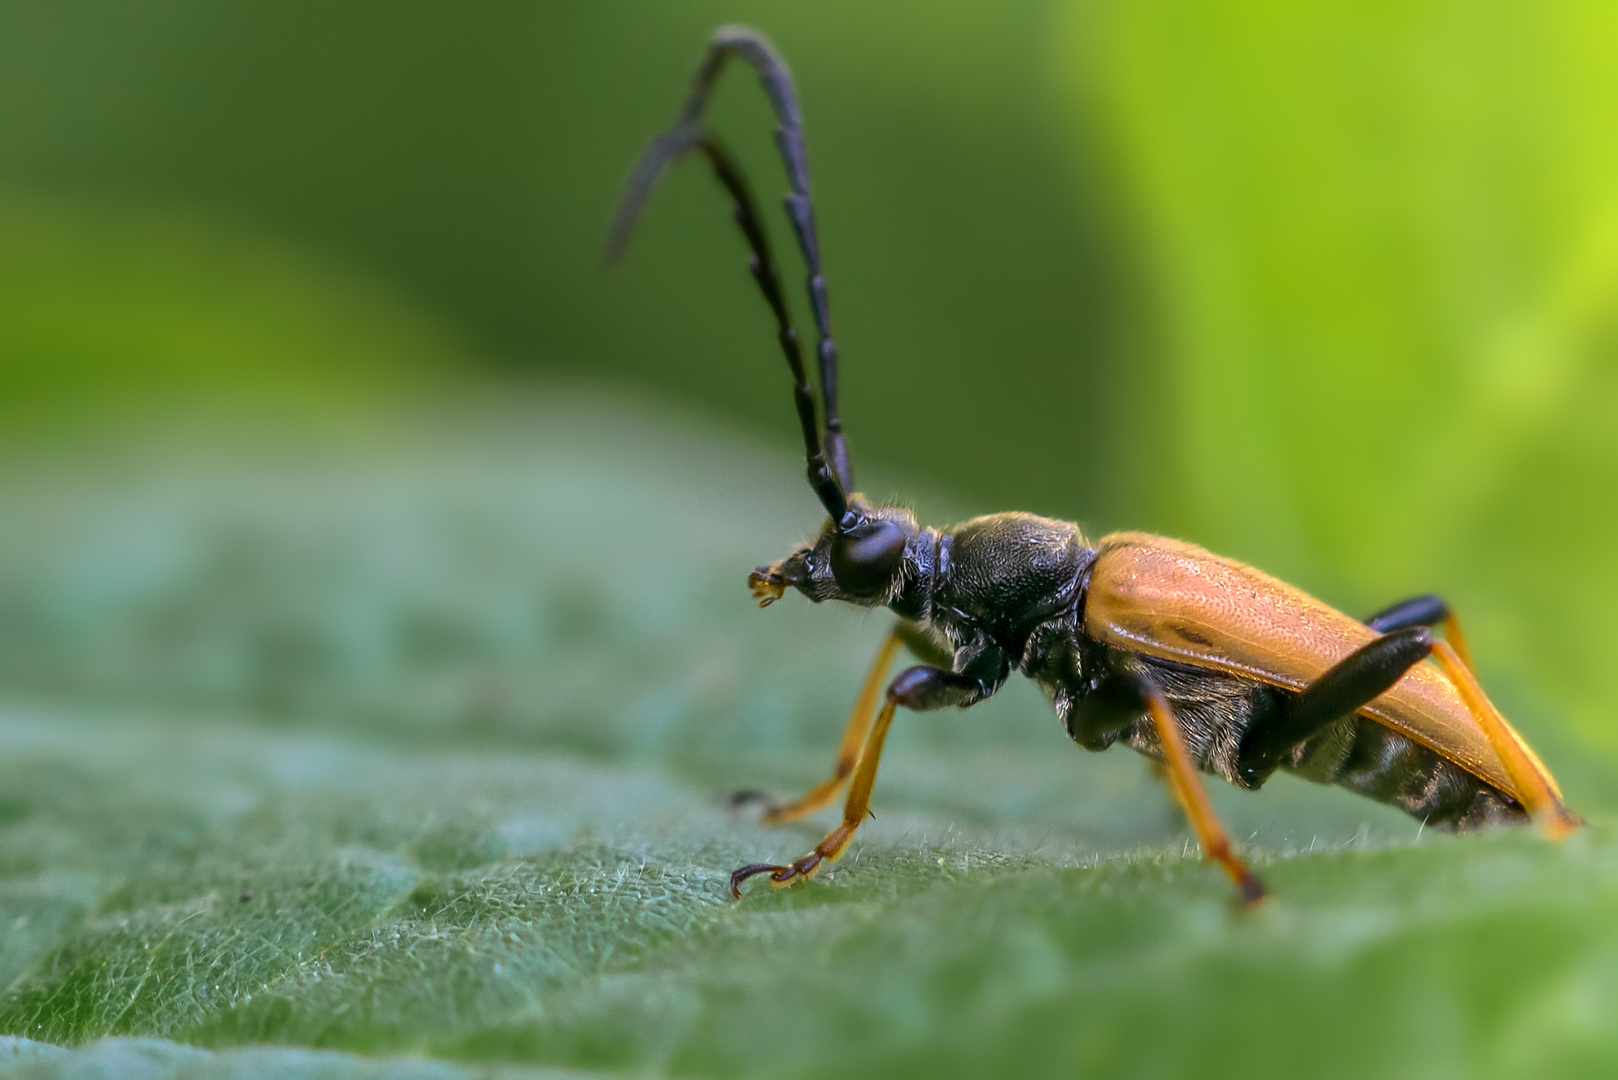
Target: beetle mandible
1198,661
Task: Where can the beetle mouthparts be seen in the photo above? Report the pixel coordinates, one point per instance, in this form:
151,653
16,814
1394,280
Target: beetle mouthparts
767,585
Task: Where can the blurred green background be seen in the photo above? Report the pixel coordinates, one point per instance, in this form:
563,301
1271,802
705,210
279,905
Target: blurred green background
368,551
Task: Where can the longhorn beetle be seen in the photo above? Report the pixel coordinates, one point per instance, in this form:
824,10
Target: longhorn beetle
1198,661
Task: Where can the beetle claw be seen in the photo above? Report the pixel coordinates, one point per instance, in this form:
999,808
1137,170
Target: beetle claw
752,870
780,876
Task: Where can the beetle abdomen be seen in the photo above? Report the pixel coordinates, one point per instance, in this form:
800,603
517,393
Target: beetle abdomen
1379,763
1216,710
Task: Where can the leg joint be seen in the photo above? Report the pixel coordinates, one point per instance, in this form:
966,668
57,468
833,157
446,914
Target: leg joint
923,688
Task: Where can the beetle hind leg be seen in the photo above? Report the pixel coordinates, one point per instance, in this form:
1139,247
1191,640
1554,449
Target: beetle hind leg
1351,683
1429,610
1371,670
1536,790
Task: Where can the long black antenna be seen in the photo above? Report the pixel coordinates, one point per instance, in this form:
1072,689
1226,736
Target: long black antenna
687,134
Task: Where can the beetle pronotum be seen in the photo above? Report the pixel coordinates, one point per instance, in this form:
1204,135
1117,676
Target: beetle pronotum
1196,660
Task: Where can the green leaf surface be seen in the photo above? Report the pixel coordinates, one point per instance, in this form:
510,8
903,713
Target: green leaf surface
420,749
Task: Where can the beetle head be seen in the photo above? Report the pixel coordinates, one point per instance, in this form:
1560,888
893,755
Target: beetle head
862,560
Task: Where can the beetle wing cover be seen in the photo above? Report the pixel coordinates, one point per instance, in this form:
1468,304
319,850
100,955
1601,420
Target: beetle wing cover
1175,601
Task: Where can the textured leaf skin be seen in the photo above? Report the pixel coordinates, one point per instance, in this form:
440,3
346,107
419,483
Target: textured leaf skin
372,757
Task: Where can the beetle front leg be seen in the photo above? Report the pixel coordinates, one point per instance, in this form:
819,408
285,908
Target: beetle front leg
919,688
905,633
848,752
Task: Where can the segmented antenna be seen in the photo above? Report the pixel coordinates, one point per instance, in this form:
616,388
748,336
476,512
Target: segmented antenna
689,133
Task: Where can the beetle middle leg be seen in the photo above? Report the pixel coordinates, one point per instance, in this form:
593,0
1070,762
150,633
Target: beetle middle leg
920,688
1193,796
1116,703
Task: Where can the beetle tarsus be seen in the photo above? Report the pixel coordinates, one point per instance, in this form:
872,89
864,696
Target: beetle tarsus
775,812
780,876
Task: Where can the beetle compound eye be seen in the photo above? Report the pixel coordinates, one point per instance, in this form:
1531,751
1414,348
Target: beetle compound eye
864,559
